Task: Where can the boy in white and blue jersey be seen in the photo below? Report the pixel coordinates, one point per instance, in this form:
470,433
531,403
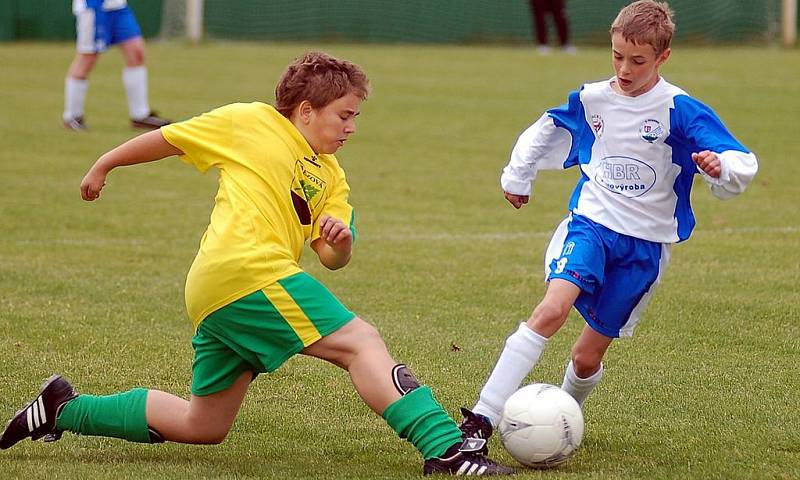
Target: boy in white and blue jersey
100,24
638,142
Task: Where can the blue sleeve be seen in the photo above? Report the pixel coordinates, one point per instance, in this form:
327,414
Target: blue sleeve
571,117
699,128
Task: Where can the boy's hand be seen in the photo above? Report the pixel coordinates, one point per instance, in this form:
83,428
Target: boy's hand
92,183
517,200
708,162
335,233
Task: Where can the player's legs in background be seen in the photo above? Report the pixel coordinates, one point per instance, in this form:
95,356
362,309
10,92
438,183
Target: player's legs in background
134,77
524,347
76,85
539,11
559,10
90,42
126,33
585,369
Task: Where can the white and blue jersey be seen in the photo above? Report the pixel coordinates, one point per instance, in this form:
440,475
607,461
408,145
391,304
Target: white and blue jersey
102,23
634,154
632,201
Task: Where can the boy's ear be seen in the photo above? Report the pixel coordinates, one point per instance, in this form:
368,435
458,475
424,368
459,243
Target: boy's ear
662,59
304,110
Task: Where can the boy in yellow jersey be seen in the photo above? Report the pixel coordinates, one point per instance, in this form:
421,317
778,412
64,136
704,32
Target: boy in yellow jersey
252,305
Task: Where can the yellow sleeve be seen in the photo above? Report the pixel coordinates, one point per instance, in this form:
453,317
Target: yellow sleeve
205,139
337,205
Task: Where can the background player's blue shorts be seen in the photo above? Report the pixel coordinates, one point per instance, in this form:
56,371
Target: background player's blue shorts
97,30
617,274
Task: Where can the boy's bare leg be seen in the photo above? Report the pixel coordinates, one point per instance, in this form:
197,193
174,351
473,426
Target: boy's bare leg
201,420
76,85
585,370
524,347
82,65
133,52
134,77
391,391
358,348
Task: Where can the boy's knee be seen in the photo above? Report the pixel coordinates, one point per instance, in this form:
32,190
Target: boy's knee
136,58
586,363
549,315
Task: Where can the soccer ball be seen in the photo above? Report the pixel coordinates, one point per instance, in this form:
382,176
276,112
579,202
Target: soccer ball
542,425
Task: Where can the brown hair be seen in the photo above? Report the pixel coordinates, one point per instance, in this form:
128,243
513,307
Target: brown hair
646,22
320,79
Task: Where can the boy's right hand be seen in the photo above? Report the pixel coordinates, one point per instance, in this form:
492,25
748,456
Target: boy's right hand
517,200
92,183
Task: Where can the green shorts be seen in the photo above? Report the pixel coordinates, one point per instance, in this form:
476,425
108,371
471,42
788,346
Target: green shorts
259,332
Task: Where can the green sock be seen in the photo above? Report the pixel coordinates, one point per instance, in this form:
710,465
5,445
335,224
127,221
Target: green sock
119,416
418,417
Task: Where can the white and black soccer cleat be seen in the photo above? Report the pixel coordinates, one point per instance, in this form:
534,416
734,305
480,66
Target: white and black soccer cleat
466,459
38,418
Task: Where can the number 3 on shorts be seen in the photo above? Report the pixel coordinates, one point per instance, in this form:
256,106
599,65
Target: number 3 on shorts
560,264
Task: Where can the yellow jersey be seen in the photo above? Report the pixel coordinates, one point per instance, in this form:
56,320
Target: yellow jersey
272,191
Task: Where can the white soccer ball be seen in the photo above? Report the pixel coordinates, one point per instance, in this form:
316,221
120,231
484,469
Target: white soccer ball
542,425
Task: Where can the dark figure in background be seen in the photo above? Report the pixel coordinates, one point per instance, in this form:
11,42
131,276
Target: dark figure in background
540,10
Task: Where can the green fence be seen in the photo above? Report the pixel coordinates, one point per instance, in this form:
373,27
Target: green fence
466,21
430,21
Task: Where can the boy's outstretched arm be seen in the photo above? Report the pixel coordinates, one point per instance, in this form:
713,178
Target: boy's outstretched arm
147,147
335,243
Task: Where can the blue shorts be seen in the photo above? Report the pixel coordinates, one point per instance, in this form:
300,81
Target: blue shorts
97,30
617,274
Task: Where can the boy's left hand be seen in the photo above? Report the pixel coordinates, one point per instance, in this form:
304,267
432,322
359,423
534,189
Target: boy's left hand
335,233
708,162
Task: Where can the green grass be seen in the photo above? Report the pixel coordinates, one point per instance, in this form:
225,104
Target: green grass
707,388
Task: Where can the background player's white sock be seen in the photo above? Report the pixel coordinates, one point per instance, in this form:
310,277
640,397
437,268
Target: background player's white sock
522,351
580,388
135,80
74,97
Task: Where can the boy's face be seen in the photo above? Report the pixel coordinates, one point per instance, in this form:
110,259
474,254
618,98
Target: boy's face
327,128
636,65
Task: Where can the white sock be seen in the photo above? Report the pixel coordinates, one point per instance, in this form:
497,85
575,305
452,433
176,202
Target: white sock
135,80
522,351
580,388
74,97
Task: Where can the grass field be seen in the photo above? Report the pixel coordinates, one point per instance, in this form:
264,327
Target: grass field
707,389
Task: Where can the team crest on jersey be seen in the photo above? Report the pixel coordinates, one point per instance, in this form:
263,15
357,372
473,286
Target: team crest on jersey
651,130
597,125
307,192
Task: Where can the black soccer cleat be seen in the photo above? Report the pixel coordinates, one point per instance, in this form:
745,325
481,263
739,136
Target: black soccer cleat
466,459
476,425
38,418
150,122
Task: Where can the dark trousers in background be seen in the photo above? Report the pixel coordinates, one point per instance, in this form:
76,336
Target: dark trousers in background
540,9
